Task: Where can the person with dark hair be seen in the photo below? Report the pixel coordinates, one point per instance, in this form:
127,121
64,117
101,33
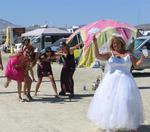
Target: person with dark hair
27,45
117,103
68,69
44,69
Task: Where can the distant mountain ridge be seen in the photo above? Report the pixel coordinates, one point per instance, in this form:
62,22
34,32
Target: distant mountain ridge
4,24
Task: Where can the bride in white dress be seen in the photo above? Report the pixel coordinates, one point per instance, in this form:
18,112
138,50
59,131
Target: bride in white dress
117,104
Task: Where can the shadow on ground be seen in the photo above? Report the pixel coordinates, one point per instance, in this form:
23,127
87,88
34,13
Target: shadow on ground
8,92
141,74
143,128
144,87
61,99
48,100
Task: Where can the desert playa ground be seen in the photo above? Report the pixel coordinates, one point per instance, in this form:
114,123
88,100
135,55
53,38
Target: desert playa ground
47,114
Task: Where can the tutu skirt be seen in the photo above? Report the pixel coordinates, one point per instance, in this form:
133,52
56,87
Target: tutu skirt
117,103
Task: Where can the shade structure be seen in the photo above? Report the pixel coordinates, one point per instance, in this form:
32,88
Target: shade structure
44,31
105,29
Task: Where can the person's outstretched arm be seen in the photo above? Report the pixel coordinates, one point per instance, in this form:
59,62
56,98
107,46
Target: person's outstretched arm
103,56
60,53
137,62
75,47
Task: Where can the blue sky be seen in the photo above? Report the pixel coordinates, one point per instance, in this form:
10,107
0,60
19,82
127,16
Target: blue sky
74,12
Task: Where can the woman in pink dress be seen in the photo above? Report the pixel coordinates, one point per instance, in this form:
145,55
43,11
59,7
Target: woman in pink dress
15,69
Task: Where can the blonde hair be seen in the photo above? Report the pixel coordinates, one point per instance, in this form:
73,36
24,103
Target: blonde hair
118,40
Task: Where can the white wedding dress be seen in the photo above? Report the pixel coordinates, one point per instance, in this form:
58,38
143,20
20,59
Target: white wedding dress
117,104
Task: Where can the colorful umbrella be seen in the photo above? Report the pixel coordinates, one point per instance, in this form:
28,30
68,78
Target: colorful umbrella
103,29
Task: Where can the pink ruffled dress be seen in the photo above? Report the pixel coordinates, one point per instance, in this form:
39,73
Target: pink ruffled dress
15,73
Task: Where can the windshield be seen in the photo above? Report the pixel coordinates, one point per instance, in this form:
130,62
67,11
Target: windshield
57,43
138,42
75,40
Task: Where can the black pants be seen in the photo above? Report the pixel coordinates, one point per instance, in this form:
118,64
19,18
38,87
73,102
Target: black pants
66,80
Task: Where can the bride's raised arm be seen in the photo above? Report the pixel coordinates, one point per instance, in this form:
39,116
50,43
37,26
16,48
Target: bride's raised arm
101,56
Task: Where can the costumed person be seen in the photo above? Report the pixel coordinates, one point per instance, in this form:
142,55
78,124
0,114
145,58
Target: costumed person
15,70
117,103
68,69
44,69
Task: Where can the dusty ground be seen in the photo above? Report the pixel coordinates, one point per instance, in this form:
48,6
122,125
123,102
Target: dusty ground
46,114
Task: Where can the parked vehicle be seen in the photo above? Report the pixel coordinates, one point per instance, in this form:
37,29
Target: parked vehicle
36,41
139,44
56,45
